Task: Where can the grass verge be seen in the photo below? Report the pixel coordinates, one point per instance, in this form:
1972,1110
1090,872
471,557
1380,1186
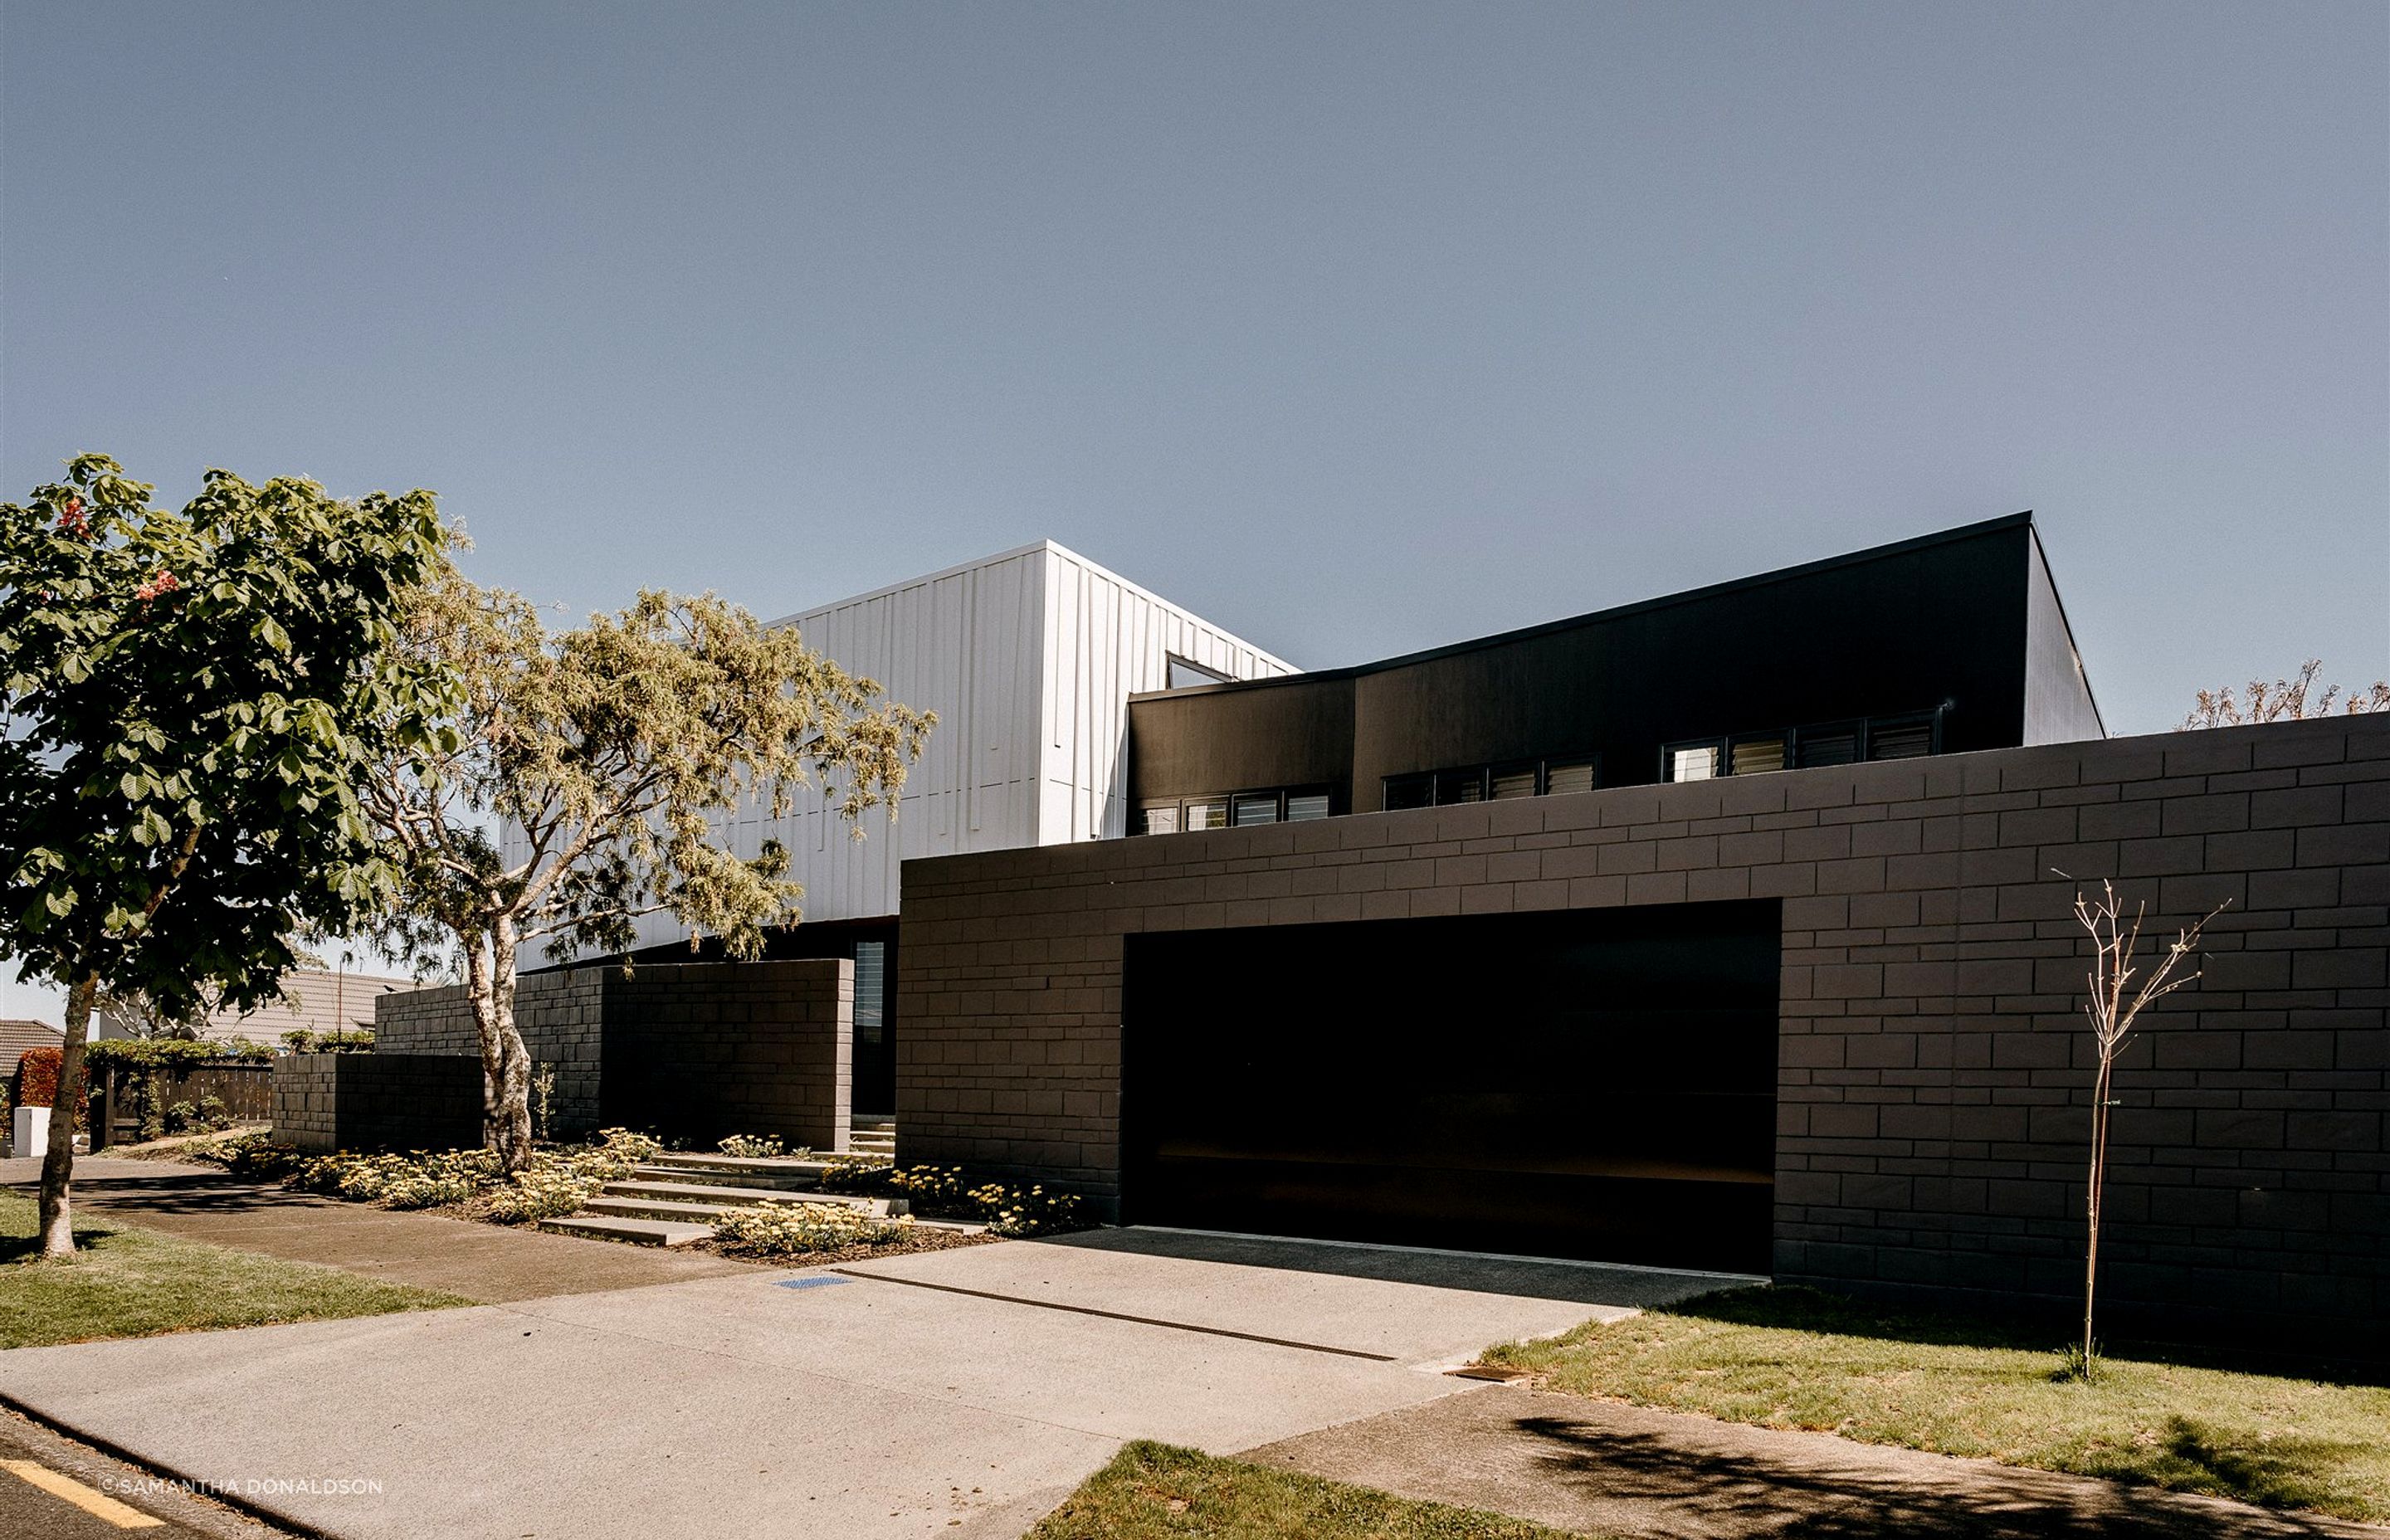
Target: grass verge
1156,1491
130,1282
1800,1358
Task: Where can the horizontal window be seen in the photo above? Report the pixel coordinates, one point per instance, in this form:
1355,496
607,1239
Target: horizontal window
1692,762
1206,813
1303,806
1255,807
1160,818
1906,736
1477,783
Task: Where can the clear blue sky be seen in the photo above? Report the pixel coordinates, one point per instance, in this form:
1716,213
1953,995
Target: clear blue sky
1356,327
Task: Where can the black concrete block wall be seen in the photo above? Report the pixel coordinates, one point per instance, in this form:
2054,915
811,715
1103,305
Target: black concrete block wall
1934,1074
327,1101
695,1050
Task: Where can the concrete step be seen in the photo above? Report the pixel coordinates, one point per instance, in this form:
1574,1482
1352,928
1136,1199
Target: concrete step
656,1208
638,1232
706,1192
866,1144
782,1176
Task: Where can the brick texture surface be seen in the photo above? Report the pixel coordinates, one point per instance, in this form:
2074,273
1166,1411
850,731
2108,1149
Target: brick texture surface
326,1101
1934,1074
696,1051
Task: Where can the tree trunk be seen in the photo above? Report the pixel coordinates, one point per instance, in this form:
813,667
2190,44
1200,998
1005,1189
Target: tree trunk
58,1162
2099,1181
506,1062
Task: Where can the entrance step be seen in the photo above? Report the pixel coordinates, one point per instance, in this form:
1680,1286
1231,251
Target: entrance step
784,1176
638,1232
727,1196
872,1137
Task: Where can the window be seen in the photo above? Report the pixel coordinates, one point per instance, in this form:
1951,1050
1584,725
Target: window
1564,776
1255,807
1837,744
1692,762
1182,672
1753,756
1513,780
1207,812
1900,737
1161,818
1460,786
871,991
1403,791
1303,806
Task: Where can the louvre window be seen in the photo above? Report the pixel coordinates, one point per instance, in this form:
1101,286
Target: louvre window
1403,791
1902,738
871,991
1256,807
1460,786
1303,806
1162,818
1513,780
1693,762
1834,745
1207,812
1564,776
1753,756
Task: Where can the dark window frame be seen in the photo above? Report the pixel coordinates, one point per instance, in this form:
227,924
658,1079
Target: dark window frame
1485,772
1862,728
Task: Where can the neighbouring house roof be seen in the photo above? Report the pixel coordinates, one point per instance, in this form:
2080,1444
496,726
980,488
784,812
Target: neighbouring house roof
317,1002
18,1036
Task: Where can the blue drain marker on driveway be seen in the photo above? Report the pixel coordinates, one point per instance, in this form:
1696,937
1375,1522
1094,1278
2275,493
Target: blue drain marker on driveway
809,1283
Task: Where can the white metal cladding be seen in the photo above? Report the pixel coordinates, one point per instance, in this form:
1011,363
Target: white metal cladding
1029,659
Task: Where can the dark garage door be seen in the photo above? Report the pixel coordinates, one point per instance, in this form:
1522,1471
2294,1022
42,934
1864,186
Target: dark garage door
1596,1083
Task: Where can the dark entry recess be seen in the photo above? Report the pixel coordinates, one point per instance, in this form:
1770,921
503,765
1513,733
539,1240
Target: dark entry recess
1592,1083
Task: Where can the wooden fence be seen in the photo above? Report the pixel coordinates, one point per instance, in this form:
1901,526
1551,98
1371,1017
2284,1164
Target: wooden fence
245,1086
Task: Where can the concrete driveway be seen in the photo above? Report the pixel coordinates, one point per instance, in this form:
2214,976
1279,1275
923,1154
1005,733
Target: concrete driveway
955,1393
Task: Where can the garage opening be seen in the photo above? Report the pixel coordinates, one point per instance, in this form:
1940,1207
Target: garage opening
1590,1083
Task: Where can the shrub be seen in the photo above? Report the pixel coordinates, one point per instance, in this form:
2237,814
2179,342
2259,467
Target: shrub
794,1229
157,1053
1019,1211
757,1147
337,1040
858,1174
37,1077
547,1192
253,1155
180,1117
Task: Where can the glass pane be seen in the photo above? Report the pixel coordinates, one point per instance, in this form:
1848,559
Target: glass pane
1514,781
870,991
1460,786
1256,807
1562,777
1161,819
1303,806
1694,765
1828,746
1184,674
1755,755
1910,740
1208,813
1409,791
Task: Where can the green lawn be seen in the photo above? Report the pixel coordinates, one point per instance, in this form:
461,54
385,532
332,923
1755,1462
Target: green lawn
1797,1358
131,1282
1156,1491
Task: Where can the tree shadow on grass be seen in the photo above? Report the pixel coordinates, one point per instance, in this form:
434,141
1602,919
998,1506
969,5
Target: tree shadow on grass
1667,1490
1798,1308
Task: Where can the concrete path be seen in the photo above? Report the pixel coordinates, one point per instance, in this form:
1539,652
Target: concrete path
1617,1469
491,1262
954,1393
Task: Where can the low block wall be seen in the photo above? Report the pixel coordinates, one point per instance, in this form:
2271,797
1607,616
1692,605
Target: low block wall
703,1050
694,1051
558,1015
327,1101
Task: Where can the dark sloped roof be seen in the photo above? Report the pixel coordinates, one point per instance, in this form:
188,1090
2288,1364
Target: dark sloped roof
18,1036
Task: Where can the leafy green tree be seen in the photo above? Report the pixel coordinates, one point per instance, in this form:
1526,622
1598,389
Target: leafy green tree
190,700
582,784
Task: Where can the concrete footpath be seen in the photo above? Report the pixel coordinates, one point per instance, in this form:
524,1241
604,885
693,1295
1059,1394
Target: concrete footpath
949,1392
489,1263
1613,1470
